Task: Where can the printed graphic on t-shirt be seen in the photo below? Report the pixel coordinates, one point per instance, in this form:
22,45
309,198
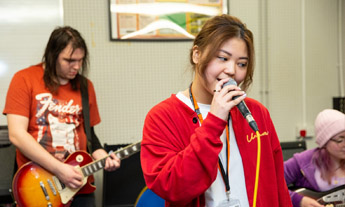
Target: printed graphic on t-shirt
57,121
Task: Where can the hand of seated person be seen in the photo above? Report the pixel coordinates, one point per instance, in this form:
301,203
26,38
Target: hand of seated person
309,202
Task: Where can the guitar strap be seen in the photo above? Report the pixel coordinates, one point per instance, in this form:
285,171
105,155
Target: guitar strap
85,103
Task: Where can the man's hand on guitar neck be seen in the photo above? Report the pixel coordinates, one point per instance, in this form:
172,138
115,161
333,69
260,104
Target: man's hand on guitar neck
309,202
111,163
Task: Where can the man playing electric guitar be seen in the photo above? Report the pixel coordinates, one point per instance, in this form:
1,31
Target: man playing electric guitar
44,112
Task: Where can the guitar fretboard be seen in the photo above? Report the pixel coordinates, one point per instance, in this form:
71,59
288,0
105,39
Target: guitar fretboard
121,153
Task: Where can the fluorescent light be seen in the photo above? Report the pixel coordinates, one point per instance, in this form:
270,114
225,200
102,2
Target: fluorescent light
3,68
24,14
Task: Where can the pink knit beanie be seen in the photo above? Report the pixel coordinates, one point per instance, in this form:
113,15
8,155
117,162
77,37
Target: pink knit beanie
328,123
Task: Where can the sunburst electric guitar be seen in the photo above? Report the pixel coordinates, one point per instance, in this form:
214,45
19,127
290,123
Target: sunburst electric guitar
332,198
34,186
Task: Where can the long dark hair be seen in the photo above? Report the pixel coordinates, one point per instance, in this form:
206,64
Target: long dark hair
214,33
58,41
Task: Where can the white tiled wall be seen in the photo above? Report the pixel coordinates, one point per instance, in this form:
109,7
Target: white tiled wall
25,27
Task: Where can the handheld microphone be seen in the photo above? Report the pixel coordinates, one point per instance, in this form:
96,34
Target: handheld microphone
243,108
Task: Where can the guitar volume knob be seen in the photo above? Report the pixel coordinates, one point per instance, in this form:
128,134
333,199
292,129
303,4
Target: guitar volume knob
79,158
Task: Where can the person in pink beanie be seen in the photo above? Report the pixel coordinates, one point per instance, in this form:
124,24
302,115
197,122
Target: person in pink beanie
323,168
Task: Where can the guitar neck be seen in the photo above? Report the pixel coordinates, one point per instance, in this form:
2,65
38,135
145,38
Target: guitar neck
121,153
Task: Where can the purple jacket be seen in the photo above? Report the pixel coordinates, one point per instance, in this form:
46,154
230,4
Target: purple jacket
299,170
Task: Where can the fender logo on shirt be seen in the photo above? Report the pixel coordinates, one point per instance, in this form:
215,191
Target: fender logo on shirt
46,100
253,136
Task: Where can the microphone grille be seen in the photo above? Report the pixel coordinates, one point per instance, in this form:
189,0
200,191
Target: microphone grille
230,82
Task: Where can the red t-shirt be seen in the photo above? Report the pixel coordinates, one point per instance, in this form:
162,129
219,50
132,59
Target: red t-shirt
55,120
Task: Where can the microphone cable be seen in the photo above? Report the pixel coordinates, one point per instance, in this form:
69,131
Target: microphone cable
247,115
258,159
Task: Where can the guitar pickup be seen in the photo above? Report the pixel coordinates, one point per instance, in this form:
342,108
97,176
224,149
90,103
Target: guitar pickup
44,191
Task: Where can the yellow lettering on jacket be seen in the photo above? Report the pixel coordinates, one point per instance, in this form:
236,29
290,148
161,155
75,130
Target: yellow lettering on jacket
253,136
